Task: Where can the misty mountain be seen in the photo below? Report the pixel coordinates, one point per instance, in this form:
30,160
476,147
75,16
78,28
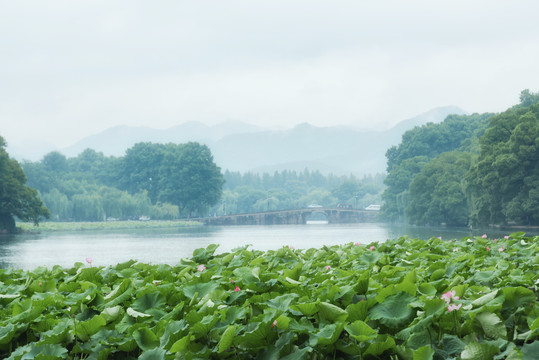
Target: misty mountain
242,147
114,141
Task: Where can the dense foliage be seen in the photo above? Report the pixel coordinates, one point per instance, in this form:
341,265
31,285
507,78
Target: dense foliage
170,181
251,192
151,180
478,169
419,146
504,182
408,299
16,199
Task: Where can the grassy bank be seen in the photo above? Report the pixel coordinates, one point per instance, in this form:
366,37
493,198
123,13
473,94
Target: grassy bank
109,225
403,299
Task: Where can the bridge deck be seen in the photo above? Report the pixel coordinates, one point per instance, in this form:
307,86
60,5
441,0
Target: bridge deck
293,216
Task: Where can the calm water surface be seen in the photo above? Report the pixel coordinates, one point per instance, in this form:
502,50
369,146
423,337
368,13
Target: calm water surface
170,245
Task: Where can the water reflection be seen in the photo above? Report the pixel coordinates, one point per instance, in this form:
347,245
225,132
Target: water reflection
170,245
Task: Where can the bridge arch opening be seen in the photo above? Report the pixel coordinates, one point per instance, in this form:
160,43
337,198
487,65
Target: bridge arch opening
317,217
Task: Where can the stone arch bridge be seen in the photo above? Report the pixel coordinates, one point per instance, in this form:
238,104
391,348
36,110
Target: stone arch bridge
294,216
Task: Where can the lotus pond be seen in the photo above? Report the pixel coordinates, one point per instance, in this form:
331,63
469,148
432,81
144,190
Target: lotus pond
402,299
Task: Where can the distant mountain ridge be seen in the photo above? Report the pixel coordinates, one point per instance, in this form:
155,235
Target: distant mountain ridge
238,146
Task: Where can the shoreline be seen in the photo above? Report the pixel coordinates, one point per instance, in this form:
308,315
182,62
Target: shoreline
52,226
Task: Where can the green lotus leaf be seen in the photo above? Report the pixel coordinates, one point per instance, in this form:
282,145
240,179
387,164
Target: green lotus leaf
282,302
173,332
424,353
149,301
331,313
145,338
530,351
260,337
437,275
357,311
48,351
427,289
91,274
6,334
174,313
381,344
479,351
370,257
283,322
234,314
202,256
153,354
360,331
452,344
120,294
484,277
394,312
59,334
362,285
271,352
136,314
286,339
246,274
201,289
517,296
307,309
227,339
112,314
484,299
327,335
181,345
204,326
492,325
85,329
124,265
298,354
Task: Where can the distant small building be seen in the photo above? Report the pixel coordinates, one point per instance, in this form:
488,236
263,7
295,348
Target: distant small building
373,207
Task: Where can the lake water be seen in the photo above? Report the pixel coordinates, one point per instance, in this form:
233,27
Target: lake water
170,245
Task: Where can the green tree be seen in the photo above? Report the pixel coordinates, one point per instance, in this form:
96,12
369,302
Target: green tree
16,199
58,204
189,178
437,193
140,169
504,183
418,146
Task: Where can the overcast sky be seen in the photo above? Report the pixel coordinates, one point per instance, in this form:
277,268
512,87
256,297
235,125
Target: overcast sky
69,69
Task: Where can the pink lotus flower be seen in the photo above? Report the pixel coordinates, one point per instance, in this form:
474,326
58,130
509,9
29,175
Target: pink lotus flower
500,249
357,244
237,289
454,307
201,268
155,283
495,240
290,247
439,237
371,248
506,237
484,236
328,267
89,260
274,323
488,249
231,281
69,308
448,296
